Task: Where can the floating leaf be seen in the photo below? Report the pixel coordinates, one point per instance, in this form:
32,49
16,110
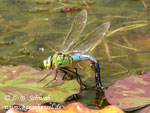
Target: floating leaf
71,108
131,92
18,86
145,110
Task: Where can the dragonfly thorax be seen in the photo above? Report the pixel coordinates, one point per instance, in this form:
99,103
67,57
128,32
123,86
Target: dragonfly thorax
58,59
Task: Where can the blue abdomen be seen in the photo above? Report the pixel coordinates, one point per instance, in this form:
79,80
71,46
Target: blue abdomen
77,57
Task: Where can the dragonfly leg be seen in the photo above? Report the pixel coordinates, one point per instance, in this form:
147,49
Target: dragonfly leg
65,73
52,79
45,76
80,66
83,86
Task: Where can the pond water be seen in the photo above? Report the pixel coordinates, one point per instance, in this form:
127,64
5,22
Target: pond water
28,27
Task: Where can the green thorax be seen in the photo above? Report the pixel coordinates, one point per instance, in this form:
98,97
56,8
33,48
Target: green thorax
62,59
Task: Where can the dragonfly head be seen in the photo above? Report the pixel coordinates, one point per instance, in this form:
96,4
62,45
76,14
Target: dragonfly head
48,62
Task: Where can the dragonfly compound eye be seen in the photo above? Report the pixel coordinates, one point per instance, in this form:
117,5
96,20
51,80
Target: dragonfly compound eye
47,63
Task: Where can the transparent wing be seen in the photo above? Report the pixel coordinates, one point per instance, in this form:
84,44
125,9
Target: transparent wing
92,39
51,45
76,29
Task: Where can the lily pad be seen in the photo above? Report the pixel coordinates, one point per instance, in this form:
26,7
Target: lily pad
145,110
131,92
18,86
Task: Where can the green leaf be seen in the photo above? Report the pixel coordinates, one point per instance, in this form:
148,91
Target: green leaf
18,86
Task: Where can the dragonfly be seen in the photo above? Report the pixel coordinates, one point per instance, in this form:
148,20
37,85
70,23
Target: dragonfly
75,50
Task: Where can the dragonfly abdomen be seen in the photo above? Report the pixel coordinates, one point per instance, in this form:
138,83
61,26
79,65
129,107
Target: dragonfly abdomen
78,57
